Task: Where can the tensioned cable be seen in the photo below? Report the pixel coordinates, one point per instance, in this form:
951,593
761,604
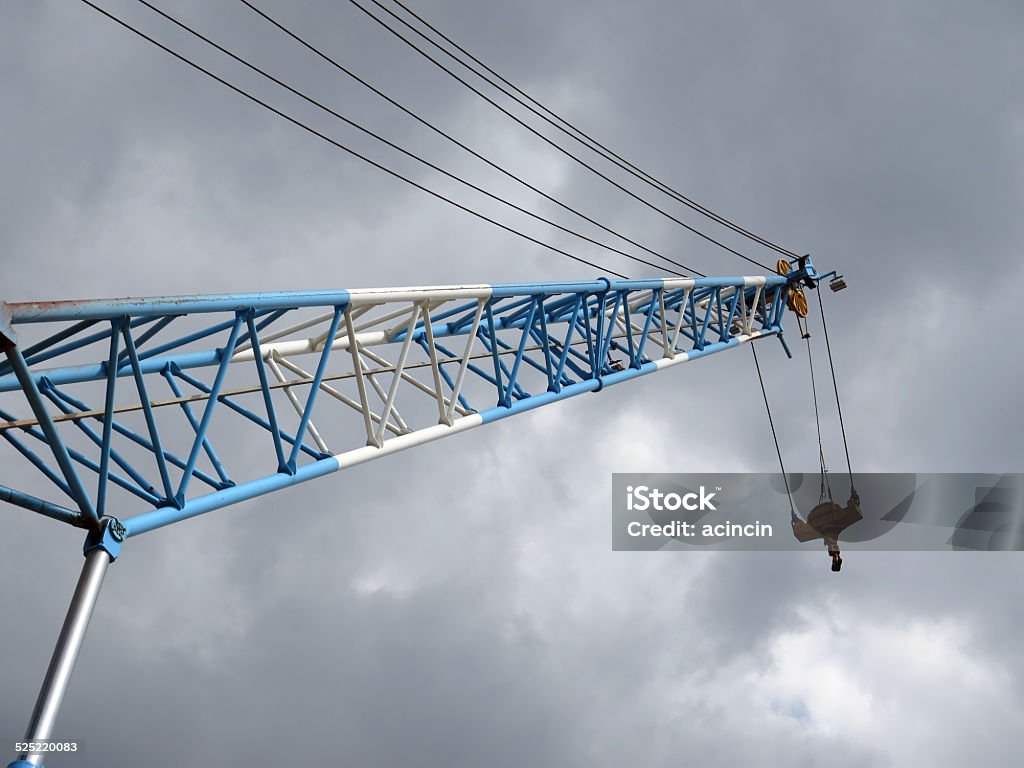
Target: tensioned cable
817,421
391,144
775,437
553,144
587,140
835,386
341,146
440,132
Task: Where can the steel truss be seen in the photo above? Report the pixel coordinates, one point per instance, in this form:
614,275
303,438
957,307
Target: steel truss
155,420
171,407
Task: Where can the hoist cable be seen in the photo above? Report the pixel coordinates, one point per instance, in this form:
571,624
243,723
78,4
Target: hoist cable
775,437
835,386
817,422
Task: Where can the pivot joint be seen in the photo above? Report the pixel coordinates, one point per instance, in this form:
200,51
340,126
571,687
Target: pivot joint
801,271
109,537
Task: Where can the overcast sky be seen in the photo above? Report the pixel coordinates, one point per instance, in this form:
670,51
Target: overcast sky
471,613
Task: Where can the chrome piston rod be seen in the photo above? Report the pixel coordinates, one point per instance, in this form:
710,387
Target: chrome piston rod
58,674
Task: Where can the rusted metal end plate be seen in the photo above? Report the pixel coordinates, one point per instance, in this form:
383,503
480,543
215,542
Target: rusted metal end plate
8,338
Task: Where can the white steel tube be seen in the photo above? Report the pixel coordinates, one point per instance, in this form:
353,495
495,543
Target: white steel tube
461,377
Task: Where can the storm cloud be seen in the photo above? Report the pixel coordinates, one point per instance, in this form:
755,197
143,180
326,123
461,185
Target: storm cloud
460,604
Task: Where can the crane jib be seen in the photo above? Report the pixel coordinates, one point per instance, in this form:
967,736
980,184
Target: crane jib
151,397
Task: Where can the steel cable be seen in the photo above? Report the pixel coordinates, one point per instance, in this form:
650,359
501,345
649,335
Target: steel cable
587,140
339,145
555,145
462,145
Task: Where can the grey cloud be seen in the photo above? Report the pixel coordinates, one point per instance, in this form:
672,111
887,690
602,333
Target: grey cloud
459,604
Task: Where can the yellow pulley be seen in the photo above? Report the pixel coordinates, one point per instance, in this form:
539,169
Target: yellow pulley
796,299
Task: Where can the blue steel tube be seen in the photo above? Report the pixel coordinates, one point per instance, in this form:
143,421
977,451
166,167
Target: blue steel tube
41,506
60,451
58,674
